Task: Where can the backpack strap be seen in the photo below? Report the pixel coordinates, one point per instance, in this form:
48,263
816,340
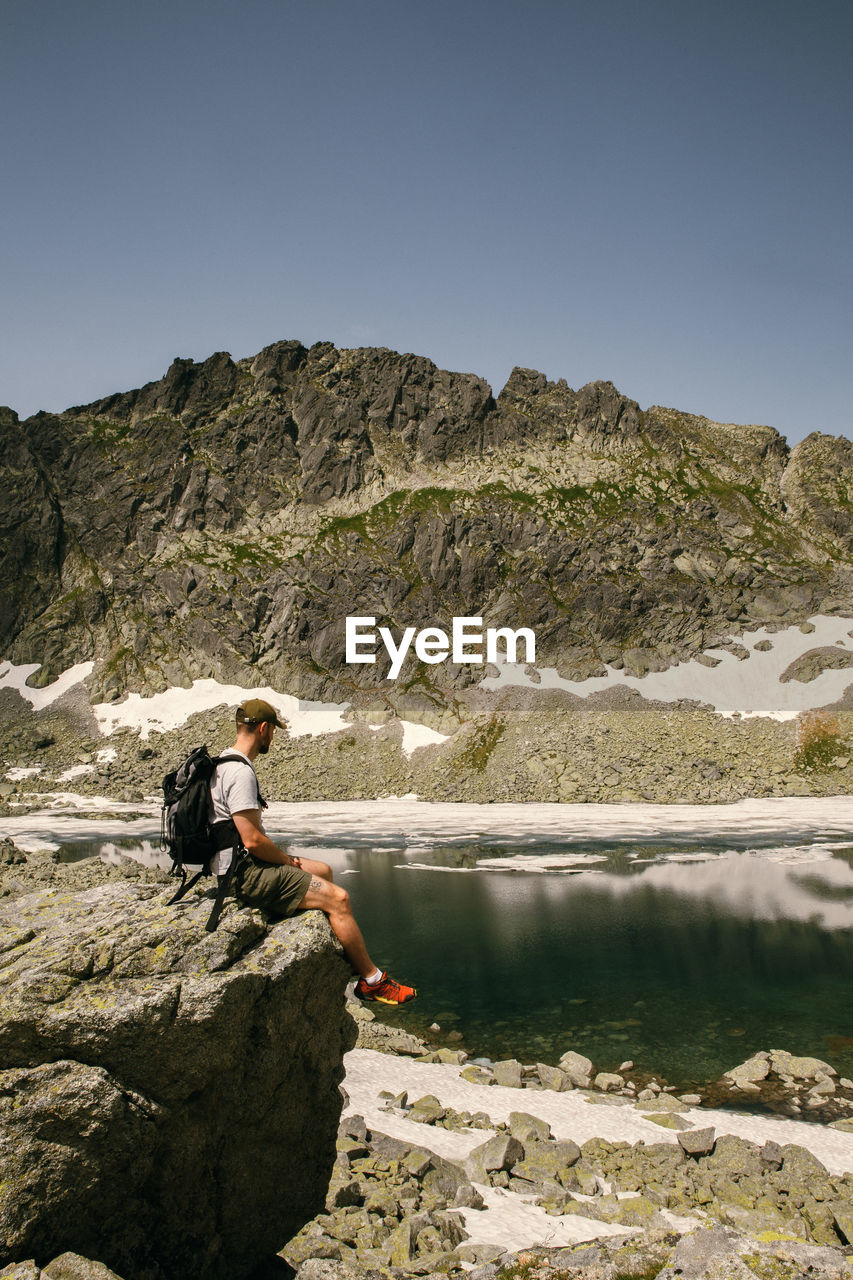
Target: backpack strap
235,759
222,890
227,833
185,885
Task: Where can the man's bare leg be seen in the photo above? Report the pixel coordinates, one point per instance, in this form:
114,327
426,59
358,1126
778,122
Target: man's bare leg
334,901
321,869
372,984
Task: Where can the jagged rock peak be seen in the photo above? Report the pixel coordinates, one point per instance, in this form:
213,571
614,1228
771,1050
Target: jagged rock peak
254,503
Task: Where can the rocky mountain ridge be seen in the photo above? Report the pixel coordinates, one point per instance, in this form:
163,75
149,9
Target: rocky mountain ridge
225,520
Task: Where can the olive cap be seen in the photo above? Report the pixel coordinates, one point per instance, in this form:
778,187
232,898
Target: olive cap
255,710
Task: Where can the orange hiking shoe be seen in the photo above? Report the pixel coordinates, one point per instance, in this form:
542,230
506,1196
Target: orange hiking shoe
385,991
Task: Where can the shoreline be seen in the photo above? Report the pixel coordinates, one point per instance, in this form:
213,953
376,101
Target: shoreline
772,1083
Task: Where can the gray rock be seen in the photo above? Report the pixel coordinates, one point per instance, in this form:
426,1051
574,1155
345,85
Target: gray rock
500,1152
661,1102
697,1142
385,1039
547,1161
750,1072
842,1217
481,1253
710,1254
347,1194
508,1073
527,1128
577,1068
734,1158
445,1179
354,1127
799,1068
607,1081
633,1211
551,1077
720,1253
802,1174
468,1197
70,1266
389,1148
119,1145
335,1269
812,664
475,1075
313,1246
418,1161
771,1155
426,1110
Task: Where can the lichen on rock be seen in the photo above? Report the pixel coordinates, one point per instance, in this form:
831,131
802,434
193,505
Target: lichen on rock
168,1096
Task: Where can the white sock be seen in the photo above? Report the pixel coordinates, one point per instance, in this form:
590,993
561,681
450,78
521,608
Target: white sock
374,978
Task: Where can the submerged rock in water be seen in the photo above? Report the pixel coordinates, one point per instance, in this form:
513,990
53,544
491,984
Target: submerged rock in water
168,1096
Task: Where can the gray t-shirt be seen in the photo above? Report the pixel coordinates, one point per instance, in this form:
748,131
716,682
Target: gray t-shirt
234,788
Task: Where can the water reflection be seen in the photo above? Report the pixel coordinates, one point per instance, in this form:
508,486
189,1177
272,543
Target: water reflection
685,957
146,852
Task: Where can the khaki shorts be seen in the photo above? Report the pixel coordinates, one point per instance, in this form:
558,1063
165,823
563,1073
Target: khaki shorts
275,888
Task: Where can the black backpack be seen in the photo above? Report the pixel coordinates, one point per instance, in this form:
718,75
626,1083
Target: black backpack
187,829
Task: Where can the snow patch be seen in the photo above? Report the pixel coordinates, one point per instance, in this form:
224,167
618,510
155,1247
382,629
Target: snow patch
69,816
76,771
16,677
748,687
541,862
418,735
172,708
160,712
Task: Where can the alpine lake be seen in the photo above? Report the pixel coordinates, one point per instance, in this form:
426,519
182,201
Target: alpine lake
683,956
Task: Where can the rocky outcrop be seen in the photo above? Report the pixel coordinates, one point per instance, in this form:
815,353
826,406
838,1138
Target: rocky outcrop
710,1253
31,550
810,665
68,1266
168,1097
224,520
783,1081
22,873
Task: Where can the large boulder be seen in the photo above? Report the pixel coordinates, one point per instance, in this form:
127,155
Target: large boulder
168,1097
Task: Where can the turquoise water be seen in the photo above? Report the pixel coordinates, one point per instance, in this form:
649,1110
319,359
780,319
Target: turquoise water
685,968
684,958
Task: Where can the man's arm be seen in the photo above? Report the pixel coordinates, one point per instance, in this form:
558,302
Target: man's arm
248,824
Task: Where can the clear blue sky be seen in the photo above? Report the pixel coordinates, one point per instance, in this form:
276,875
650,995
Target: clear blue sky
658,193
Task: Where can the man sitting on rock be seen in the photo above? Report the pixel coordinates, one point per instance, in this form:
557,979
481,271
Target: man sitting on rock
271,879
